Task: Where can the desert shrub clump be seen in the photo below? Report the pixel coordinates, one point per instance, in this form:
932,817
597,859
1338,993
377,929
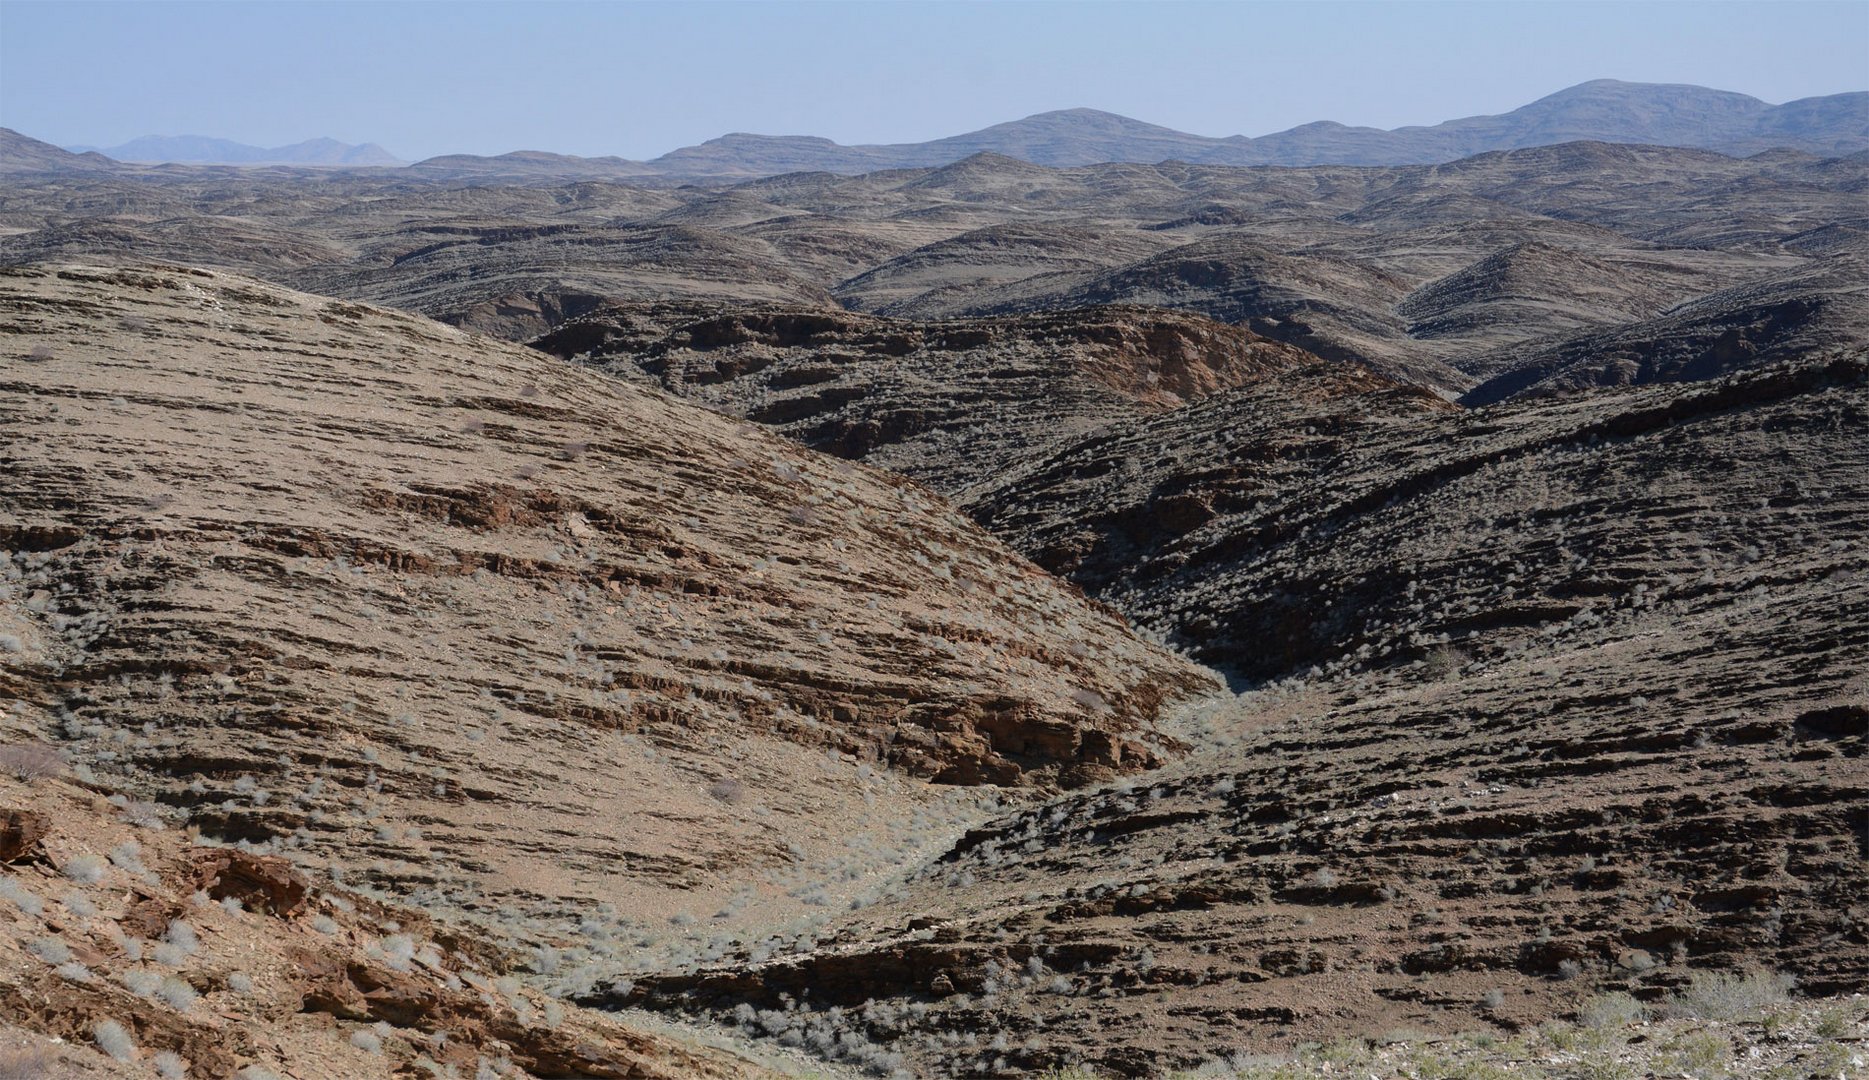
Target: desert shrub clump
128,856
143,814
1445,661
27,762
182,936
112,1039
1717,995
142,982
26,900
88,869
177,993
178,944
1610,1011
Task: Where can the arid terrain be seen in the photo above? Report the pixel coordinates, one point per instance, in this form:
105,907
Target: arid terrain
978,619
1501,275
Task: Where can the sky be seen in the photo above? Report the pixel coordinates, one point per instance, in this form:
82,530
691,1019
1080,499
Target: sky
639,80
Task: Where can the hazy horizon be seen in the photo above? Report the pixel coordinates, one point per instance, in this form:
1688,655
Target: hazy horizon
639,80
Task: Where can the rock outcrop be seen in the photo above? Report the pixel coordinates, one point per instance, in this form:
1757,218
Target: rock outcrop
124,960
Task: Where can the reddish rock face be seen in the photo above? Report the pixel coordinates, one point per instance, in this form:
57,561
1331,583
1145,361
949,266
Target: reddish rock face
20,833
298,980
261,883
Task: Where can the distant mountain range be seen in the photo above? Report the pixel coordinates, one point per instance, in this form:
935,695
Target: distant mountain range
202,150
1600,111
1603,110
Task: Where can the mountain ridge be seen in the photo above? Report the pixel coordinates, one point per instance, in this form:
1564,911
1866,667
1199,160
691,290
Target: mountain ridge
1600,110
208,150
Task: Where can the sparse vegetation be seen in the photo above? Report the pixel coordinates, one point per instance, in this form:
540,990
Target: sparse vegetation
88,869
177,993
27,762
1677,1047
112,1039
1718,995
50,949
727,790
23,898
142,982
1612,1010
1445,661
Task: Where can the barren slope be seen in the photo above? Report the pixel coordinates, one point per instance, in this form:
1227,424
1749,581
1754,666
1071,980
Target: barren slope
209,959
1533,289
1547,700
1429,273
1819,305
951,403
537,650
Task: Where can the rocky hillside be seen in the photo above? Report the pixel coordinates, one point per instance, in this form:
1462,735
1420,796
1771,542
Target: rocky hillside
1515,506
1540,702
129,948
574,666
1798,312
1316,520
952,403
1446,276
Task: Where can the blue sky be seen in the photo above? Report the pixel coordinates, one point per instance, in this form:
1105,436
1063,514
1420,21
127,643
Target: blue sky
640,79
